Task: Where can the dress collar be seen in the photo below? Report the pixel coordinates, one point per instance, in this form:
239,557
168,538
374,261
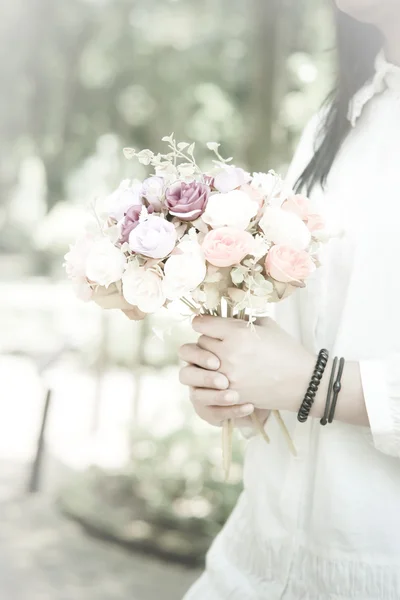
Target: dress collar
386,76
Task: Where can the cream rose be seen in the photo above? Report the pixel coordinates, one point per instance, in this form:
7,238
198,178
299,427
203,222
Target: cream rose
128,194
143,288
285,228
234,209
105,263
184,271
82,288
287,265
267,183
225,247
230,178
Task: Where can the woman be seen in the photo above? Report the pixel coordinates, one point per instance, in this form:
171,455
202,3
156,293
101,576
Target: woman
325,524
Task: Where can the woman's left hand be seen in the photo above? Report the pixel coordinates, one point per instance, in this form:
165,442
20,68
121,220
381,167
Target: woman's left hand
264,365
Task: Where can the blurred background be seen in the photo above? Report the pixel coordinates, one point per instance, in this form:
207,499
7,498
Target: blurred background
109,487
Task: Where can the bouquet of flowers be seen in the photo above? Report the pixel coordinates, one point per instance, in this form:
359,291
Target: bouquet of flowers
222,242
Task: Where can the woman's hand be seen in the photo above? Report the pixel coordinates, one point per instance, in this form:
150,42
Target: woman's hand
112,298
235,367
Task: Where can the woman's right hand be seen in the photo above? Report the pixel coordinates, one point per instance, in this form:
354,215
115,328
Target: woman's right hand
210,395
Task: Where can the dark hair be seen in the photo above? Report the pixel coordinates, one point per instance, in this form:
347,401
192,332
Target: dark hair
357,46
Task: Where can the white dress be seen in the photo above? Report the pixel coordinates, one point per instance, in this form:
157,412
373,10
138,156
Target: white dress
326,525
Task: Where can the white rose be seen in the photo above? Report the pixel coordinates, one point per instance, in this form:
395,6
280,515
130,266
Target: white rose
234,209
267,183
75,259
283,227
184,272
127,195
82,289
143,288
230,178
105,263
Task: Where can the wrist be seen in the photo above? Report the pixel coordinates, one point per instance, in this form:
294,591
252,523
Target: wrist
300,381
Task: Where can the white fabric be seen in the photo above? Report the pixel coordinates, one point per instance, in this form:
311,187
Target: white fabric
326,525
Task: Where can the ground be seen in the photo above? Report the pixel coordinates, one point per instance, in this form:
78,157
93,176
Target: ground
44,556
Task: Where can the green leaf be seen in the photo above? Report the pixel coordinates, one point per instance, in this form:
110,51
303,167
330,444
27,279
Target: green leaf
168,138
191,148
259,279
129,153
237,276
182,145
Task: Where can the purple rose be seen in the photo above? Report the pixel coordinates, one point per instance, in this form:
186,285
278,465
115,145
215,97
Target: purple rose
131,220
187,201
155,237
153,191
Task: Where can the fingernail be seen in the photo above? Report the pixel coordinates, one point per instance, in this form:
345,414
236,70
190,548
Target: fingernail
221,383
213,363
245,410
231,397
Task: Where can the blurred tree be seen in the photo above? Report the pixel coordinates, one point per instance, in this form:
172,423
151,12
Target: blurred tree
246,74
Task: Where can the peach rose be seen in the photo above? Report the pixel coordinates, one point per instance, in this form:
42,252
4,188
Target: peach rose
285,264
299,205
226,246
315,223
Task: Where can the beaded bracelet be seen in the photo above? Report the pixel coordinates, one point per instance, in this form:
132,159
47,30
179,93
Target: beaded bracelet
309,398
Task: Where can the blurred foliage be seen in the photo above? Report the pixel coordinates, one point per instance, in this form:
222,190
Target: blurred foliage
83,78
171,499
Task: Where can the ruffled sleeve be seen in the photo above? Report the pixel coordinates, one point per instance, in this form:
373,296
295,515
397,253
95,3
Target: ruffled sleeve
381,386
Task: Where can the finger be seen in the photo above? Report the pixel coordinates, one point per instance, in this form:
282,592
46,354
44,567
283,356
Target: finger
215,415
134,314
215,327
192,353
210,344
207,397
201,378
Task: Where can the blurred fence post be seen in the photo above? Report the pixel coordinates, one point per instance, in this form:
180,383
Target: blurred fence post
34,480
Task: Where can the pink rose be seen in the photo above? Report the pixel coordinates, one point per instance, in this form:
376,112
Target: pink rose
131,220
285,264
187,201
299,205
226,246
315,223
